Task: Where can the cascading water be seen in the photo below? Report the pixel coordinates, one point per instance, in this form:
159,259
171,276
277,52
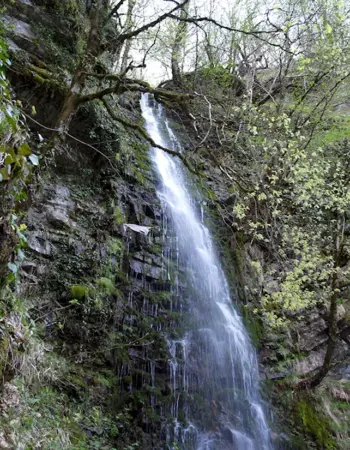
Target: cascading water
213,367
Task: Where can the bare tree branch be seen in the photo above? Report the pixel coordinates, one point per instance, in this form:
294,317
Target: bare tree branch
115,9
128,35
256,33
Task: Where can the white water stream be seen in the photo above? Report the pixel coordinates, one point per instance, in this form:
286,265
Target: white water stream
213,367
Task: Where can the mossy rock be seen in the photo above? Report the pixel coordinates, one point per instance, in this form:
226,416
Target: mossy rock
106,285
315,423
79,291
44,77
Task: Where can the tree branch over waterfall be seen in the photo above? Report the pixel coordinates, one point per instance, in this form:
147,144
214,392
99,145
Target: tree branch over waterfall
145,136
104,36
131,34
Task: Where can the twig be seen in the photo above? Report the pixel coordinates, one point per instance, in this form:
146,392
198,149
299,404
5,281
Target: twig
210,117
233,179
57,130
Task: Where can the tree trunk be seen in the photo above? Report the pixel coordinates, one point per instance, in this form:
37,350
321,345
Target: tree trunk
179,41
69,107
332,341
93,49
128,24
333,313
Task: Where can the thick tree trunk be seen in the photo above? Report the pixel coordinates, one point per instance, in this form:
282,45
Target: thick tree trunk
69,107
93,49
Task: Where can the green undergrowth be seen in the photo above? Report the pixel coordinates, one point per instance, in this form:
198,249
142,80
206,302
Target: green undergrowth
334,398
317,418
55,403
315,423
337,129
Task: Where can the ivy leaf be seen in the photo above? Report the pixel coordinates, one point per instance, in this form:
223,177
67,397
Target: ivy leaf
4,172
9,160
11,277
24,150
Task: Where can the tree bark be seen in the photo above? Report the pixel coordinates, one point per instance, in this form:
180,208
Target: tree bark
332,341
124,65
93,49
98,19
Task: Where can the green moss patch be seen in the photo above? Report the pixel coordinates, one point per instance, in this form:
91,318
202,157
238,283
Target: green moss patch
315,423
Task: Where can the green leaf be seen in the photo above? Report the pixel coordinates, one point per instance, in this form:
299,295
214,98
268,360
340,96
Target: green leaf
74,302
328,29
9,160
11,277
4,174
24,150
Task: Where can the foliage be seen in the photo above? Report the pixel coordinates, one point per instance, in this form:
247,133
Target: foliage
219,75
16,158
44,414
16,164
295,203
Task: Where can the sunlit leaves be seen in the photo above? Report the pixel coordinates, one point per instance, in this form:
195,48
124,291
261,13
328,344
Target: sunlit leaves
297,195
16,163
16,157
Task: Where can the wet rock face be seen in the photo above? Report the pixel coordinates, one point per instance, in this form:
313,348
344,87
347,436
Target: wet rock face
147,265
25,16
19,17
312,332
38,243
23,36
58,218
310,337
52,213
75,238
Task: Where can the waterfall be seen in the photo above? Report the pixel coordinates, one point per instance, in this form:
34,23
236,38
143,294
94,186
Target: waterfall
213,368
